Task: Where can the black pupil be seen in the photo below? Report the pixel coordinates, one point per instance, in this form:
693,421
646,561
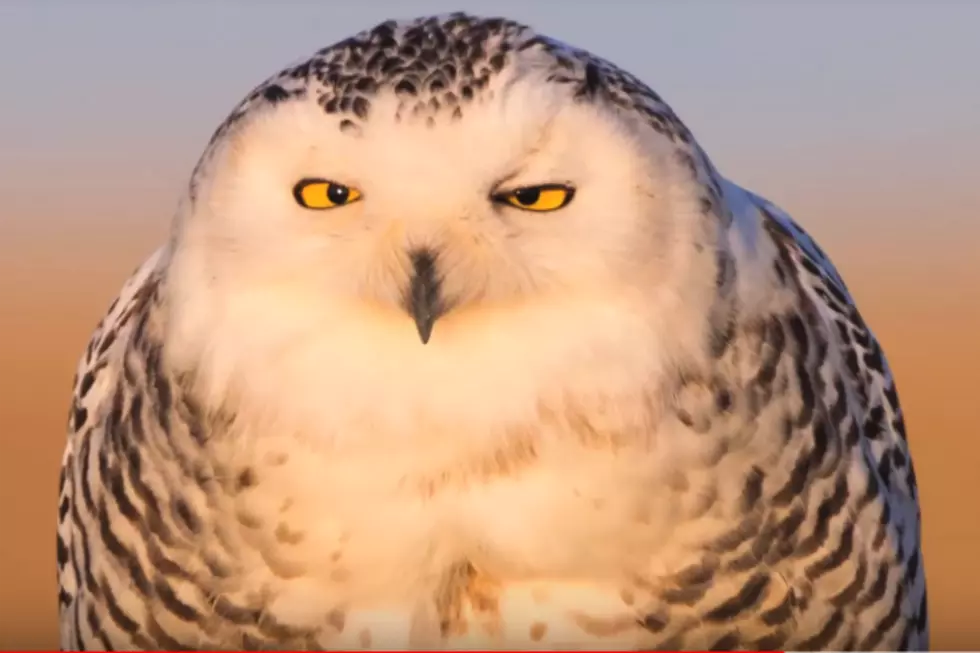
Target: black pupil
338,194
527,196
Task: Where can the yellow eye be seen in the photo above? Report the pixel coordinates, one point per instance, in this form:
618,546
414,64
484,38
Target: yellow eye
323,194
549,197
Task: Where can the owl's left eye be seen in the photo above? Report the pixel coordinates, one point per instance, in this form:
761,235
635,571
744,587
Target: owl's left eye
323,194
547,197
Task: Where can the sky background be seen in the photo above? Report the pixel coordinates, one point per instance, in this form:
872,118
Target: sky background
860,118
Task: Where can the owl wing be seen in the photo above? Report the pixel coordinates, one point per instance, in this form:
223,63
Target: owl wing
81,491
900,598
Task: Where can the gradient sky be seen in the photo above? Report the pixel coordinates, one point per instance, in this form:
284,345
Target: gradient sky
107,104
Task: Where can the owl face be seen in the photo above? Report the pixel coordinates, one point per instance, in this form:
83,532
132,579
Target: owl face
472,260
525,195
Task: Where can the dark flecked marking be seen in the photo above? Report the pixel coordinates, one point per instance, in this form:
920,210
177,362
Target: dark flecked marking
752,592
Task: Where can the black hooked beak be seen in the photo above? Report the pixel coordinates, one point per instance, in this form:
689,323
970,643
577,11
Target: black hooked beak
424,300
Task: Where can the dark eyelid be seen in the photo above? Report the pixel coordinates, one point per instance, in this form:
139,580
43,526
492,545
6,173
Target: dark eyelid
501,195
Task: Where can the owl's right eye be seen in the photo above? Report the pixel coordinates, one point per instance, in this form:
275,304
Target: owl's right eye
323,194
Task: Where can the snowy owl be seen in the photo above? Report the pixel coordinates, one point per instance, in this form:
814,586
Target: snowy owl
461,341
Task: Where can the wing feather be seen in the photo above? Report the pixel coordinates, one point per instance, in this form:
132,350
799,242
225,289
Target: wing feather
95,379
883,438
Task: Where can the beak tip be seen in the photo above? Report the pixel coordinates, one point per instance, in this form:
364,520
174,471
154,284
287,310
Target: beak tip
425,330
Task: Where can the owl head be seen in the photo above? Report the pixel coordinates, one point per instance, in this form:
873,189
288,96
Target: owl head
433,188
